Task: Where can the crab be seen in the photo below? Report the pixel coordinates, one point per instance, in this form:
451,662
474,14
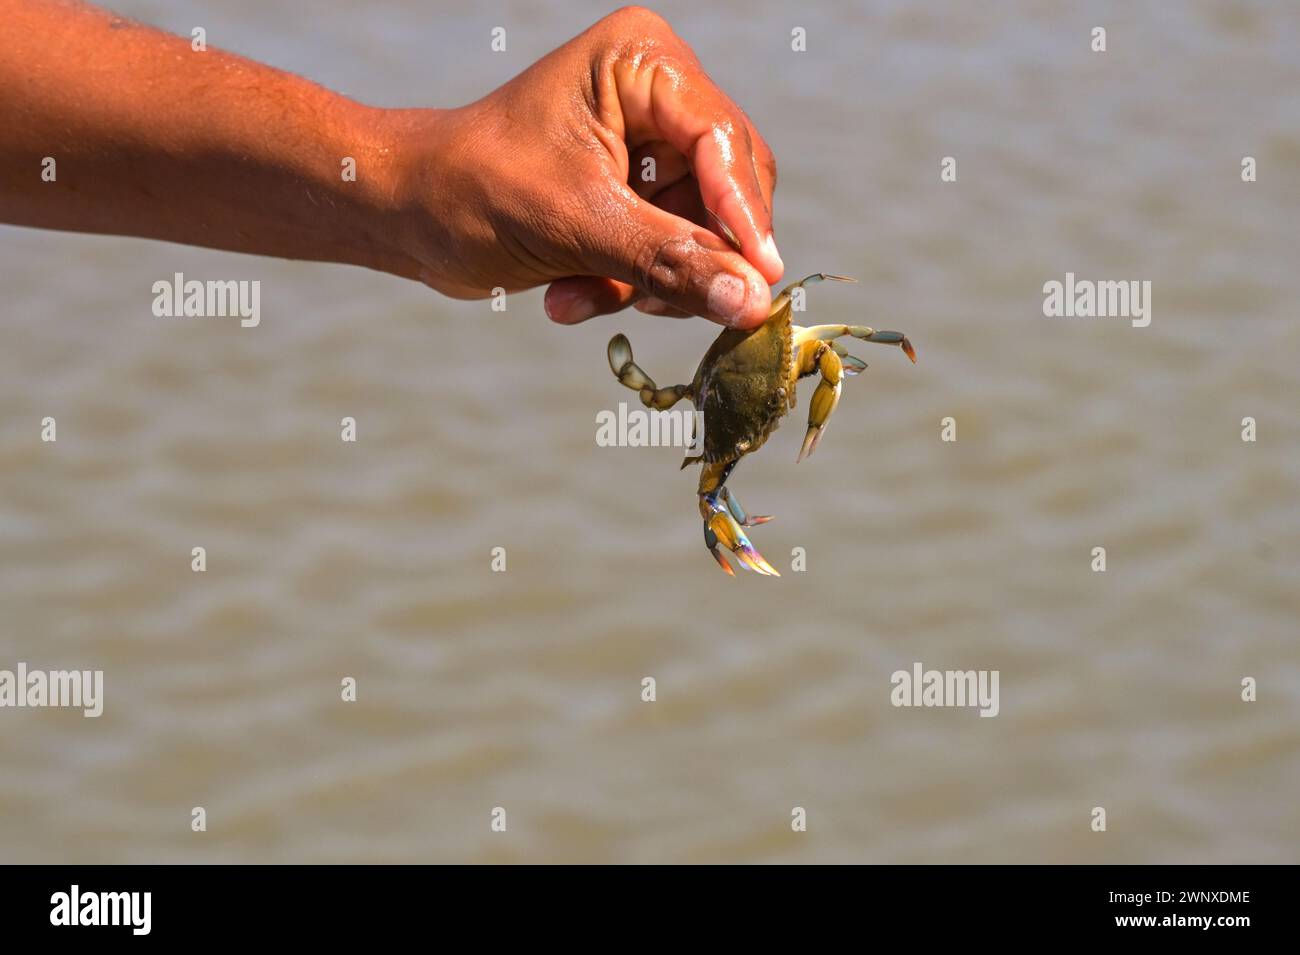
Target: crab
744,386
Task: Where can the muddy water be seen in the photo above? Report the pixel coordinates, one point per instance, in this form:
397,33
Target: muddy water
476,430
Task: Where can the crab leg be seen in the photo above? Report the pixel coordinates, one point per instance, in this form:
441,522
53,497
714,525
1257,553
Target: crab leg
631,376
782,300
720,526
711,542
822,358
853,365
738,512
826,333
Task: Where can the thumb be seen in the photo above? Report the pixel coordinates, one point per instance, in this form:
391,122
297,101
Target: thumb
676,261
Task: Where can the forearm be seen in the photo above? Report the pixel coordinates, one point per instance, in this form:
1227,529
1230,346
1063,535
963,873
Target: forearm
532,184
151,138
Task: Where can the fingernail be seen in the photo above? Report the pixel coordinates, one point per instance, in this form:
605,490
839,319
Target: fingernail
727,297
566,308
769,246
651,304
580,310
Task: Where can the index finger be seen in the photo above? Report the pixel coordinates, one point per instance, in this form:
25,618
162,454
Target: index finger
697,119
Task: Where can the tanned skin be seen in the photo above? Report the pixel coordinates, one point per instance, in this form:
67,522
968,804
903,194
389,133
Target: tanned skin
538,183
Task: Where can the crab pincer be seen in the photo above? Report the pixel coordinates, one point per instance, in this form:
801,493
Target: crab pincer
738,512
721,527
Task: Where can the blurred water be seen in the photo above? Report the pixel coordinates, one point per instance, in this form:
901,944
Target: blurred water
477,429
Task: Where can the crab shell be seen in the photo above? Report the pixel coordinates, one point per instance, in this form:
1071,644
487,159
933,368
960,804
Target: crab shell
745,385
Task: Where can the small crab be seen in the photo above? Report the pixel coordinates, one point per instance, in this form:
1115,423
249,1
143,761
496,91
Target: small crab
744,386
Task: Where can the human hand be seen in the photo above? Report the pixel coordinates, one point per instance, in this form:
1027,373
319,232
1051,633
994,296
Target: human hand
541,182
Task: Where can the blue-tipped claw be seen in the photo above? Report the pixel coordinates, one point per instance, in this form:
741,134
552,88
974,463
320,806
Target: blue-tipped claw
721,528
738,512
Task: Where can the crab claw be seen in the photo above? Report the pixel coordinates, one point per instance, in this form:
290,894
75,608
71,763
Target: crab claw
908,350
711,542
738,512
810,442
726,229
824,399
722,527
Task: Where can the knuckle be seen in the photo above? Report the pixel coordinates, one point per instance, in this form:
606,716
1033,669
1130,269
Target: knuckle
639,16
661,266
643,36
